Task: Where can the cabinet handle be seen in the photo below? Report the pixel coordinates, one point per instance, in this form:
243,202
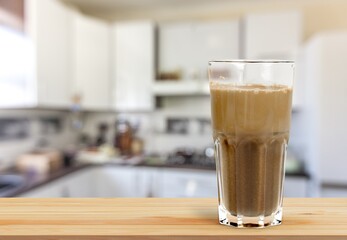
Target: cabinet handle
191,188
65,193
150,188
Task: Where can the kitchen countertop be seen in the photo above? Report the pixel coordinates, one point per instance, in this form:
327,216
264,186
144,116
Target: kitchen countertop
301,173
32,182
153,218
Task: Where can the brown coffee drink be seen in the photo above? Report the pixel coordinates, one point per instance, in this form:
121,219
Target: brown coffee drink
250,129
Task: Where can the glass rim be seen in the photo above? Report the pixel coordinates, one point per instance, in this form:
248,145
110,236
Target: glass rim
251,61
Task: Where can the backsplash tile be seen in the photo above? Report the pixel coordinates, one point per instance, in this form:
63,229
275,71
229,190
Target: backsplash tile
25,130
177,125
14,128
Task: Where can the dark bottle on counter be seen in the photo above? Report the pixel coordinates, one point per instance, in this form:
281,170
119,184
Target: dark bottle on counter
124,137
101,138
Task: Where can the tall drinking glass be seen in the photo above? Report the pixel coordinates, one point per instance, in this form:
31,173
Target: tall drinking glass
251,109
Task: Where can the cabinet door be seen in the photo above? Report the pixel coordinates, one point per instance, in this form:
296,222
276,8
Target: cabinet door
186,183
133,65
82,183
47,23
295,187
176,41
147,182
189,46
91,62
55,189
117,181
272,35
213,41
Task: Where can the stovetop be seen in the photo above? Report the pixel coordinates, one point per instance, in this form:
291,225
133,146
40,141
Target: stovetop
192,157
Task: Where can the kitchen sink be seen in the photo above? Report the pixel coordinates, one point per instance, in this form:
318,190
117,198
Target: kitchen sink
9,183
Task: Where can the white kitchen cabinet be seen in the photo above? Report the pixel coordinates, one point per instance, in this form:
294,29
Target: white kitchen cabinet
47,25
275,36
295,187
81,183
186,183
120,181
91,62
46,191
133,65
65,54
272,35
55,189
176,42
334,192
98,181
148,179
200,183
189,46
132,181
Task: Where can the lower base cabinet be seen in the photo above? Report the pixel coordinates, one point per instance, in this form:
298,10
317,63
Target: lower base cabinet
98,181
186,183
132,181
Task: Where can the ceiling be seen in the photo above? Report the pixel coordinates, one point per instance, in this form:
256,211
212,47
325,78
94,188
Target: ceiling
117,5
169,10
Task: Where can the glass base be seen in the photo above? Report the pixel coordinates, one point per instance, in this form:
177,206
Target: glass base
239,221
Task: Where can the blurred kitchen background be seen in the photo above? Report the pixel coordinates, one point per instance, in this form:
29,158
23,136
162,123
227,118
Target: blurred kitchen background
110,98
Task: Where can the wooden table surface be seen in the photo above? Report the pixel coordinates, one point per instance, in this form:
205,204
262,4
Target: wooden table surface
154,218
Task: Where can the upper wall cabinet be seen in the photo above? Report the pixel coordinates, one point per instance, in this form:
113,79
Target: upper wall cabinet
47,24
91,62
275,36
35,66
272,35
133,66
186,48
62,54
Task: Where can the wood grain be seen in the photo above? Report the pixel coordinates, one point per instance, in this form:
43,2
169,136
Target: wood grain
154,218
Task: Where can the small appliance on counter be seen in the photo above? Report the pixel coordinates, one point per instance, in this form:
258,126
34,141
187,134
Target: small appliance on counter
40,162
97,155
